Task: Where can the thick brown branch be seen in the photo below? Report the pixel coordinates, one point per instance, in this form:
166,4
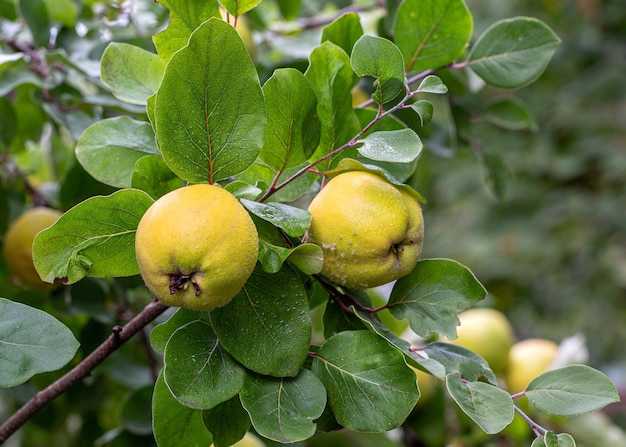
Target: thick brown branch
117,338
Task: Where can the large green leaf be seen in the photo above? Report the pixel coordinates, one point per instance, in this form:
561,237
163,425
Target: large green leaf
31,342
433,294
370,387
175,424
489,406
382,60
394,146
185,17
94,238
424,361
432,33
209,110
132,73
344,31
198,371
152,175
572,390
514,52
267,327
228,422
459,360
293,129
109,149
283,409
330,73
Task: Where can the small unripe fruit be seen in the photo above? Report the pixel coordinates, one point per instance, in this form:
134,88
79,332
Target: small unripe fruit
527,360
369,230
196,247
17,249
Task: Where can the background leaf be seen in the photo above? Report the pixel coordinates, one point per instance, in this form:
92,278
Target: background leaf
432,295
185,17
514,52
210,113
370,387
381,59
95,238
344,31
35,14
239,7
266,327
283,409
31,342
395,146
132,73
572,390
487,405
109,149
198,371
293,128
175,424
432,33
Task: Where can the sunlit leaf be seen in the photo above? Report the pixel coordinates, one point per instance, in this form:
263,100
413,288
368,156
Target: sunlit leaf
308,258
396,146
209,110
294,221
344,31
239,7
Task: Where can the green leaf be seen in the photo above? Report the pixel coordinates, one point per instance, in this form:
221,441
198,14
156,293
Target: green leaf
290,9
132,73
293,129
109,149
185,17
424,110
509,114
307,257
330,74
572,390
293,221
489,406
31,342
267,327
261,176
551,439
35,14
175,424
63,11
425,362
163,331
210,113
432,33
496,173
94,238
283,409
381,59
459,360
343,31
370,387
239,7
395,146
432,84
17,72
432,295
135,412
152,175
228,422
514,52
198,371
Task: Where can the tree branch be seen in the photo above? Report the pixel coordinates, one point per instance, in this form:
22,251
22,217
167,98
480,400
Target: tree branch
117,338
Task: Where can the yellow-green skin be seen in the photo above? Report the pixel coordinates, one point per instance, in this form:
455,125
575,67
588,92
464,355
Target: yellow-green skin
370,231
17,249
249,440
196,247
488,333
528,359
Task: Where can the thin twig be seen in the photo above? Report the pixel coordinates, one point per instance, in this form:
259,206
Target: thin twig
84,369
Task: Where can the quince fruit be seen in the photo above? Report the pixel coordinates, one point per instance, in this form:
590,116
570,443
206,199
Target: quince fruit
528,359
196,247
17,250
369,230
